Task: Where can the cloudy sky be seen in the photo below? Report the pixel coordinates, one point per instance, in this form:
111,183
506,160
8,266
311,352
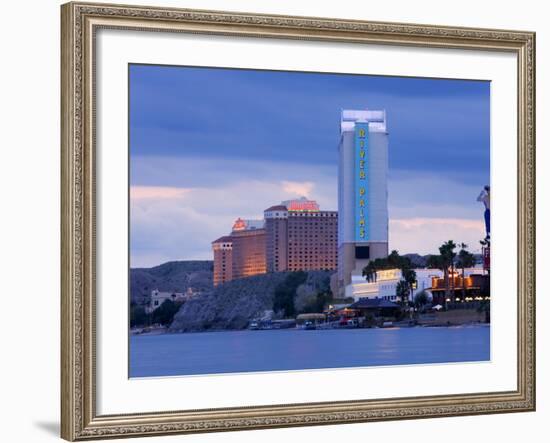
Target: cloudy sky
210,145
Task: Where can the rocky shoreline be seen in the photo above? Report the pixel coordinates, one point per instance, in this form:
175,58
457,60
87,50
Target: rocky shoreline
232,305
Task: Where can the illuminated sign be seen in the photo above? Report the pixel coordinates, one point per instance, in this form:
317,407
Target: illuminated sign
388,274
361,182
239,225
303,206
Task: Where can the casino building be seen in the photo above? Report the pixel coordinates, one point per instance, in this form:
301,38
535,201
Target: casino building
294,235
299,236
362,193
241,253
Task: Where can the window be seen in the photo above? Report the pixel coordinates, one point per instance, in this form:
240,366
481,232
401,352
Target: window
362,252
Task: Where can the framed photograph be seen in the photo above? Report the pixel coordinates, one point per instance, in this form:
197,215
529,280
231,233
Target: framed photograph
277,221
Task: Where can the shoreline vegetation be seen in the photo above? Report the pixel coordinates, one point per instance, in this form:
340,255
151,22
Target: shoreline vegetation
298,299
283,300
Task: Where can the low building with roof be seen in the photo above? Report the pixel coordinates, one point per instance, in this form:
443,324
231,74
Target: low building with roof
384,284
474,287
375,306
159,297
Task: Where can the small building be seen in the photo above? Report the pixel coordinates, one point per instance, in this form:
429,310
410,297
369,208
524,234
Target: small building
159,297
475,287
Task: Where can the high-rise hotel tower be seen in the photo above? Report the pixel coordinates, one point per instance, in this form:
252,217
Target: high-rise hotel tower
300,236
362,193
294,235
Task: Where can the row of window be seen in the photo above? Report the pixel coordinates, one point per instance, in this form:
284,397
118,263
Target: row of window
314,214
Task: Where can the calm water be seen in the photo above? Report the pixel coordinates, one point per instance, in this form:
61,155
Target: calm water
276,350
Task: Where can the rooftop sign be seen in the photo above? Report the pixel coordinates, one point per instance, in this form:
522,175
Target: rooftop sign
239,225
302,205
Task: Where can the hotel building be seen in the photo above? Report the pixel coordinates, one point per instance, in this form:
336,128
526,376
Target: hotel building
300,236
362,193
240,254
294,235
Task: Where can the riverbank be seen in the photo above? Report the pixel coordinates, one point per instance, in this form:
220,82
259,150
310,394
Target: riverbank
438,323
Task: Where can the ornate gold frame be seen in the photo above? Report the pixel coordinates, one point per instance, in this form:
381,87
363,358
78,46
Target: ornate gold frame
79,420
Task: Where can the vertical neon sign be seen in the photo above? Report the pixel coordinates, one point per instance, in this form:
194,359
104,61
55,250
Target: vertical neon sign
361,181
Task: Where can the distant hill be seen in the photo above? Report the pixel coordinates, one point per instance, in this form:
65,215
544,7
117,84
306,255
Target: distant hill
174,276
421,261
418,261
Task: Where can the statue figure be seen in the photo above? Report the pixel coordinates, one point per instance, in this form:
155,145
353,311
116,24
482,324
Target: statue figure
485,198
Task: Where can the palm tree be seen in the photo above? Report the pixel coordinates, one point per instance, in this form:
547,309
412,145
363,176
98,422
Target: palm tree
402,291
396,261
436,262
448,254
369,271
444,262
409,275
421,299
465,260
393,261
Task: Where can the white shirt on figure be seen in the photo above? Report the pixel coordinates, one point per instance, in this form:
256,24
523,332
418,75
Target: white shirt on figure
485,198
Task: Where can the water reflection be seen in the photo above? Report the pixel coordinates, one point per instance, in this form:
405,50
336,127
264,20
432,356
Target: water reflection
280,350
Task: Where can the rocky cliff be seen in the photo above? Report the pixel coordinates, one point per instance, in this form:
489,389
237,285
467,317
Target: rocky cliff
233,304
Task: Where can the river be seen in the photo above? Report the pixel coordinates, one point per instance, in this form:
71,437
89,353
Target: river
283,350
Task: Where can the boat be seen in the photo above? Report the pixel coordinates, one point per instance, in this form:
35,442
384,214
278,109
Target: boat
254,326
309,325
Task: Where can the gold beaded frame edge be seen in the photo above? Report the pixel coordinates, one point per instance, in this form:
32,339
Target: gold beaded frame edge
79,22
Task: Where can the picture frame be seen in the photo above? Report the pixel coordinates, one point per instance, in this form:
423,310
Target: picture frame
79,205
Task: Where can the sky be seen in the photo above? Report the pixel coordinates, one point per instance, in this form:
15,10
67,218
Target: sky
209,145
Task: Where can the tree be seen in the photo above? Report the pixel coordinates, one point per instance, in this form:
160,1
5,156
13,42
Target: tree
309,300
485,307
285,293
369,271
323,299
164,314
138,316
370,320
396,261
409,275
444,262
392,261
448,254
421,299
465,260
435,262
402,291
